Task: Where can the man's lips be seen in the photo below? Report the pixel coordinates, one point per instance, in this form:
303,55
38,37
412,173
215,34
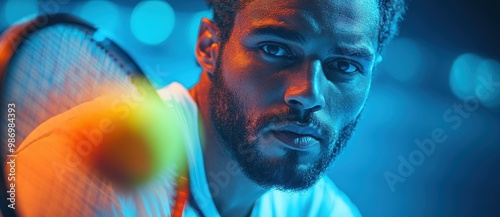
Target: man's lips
297,137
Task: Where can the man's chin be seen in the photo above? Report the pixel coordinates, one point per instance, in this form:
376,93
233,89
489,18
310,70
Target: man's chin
298,182
285,173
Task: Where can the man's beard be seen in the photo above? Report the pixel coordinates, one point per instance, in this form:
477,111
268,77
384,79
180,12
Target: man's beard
239,137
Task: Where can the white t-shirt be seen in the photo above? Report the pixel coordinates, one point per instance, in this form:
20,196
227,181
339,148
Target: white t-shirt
323,199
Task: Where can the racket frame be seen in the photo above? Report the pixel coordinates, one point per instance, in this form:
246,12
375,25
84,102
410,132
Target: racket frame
14,37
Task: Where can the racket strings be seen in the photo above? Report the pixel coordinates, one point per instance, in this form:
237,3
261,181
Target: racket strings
55,69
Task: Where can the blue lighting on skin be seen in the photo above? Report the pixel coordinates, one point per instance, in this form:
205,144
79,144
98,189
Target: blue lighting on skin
487,86
403,60
463,75
14,10
152,22
103,14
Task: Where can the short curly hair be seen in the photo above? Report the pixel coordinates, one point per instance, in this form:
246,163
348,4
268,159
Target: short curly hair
391,13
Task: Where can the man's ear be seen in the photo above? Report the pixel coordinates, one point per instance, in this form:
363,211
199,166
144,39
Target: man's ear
207,45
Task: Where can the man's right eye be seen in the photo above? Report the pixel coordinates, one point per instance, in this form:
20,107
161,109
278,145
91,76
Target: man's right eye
275,50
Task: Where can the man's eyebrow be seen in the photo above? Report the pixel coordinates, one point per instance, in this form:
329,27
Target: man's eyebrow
355,52
278,31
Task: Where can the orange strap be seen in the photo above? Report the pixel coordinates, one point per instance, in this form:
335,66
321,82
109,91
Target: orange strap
181,197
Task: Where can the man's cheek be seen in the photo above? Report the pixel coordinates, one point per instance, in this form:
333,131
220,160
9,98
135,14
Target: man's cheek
356,98
341,110
247,151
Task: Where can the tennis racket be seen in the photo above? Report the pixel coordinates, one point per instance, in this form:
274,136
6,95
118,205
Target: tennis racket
49,65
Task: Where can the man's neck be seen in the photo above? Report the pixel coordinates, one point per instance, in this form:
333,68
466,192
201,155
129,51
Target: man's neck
232,192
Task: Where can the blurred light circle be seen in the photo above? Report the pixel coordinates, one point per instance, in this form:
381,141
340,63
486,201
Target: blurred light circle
388,107
463,75
402,60
103,14
14,10
194,26
152,22
487,84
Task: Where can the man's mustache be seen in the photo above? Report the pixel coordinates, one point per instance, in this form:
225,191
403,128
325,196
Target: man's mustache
289,116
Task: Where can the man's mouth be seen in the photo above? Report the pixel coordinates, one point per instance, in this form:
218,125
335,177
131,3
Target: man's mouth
297,137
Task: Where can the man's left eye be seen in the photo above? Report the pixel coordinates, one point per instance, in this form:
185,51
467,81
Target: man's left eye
275,50
344,66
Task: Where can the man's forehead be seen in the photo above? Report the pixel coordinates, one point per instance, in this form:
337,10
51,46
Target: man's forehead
323,17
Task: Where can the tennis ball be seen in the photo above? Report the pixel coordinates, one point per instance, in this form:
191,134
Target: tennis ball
147,139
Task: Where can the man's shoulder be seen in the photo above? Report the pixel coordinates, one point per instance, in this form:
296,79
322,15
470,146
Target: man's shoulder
323,199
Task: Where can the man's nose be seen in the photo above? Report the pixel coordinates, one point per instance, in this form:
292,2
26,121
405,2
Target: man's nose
304,91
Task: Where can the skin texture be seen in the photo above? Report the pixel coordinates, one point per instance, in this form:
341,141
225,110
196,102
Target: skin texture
294,63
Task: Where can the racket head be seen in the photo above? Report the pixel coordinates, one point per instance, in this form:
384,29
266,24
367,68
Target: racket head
52,63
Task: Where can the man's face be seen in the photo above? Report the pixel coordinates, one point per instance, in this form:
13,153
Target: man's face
290,84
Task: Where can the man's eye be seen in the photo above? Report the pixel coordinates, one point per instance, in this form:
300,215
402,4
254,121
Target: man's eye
344,66
275,50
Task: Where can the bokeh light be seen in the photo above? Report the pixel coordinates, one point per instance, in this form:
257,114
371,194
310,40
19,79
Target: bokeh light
103,14
152,22
99,36
194,26
14,10
463,75
488,83
403,60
